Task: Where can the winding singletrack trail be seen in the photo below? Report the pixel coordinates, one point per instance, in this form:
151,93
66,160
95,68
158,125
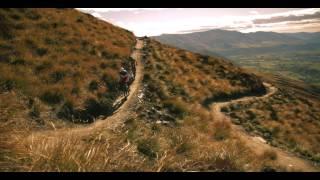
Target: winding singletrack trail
111,122
258,144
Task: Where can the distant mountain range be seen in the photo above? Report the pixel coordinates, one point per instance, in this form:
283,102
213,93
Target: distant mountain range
231,43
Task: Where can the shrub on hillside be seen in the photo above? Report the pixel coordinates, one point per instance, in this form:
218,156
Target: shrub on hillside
176,108
41,51
19,26
49,41
75,90
43,66
17,61
30,43
66,111
5,32
93,85
95,108
34,112
51,97
109,82
7,85
251,115
32,15
57,76
184,147
79,19
148,147
103,65
15,16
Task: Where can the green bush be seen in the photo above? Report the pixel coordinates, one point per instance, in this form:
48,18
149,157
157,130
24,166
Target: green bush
51,98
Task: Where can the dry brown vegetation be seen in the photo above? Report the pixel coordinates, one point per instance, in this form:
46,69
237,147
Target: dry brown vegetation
288,120
49,61
169,128
59,61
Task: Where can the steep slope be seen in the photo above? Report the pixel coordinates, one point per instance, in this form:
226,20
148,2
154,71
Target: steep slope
59,64
288,119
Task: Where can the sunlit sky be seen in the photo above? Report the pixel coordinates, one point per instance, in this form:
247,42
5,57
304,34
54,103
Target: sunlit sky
157,21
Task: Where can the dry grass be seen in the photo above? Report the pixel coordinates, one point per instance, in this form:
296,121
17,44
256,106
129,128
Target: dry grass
62,56
286,119
270,155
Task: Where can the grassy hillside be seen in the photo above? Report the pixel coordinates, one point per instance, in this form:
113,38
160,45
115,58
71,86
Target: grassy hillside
289,119
174,129
196,78
58,64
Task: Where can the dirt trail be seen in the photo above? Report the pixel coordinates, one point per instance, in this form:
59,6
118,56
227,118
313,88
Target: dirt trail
258,144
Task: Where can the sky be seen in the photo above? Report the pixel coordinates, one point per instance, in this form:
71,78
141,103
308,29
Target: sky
157,21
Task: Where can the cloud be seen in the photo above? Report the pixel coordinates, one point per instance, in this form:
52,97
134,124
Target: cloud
253,12
118,9
194,30
275,19
156,21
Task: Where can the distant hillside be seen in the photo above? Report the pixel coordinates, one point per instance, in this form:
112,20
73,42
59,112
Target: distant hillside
287,54
229,43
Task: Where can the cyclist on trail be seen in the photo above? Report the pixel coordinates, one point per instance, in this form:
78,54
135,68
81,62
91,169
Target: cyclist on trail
124,80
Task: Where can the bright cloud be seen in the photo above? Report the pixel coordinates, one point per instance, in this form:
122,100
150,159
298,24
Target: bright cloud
156,21
119,9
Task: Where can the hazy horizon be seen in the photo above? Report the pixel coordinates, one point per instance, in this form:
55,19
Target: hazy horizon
157,21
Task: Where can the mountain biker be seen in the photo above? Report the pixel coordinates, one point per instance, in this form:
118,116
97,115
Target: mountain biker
124,79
